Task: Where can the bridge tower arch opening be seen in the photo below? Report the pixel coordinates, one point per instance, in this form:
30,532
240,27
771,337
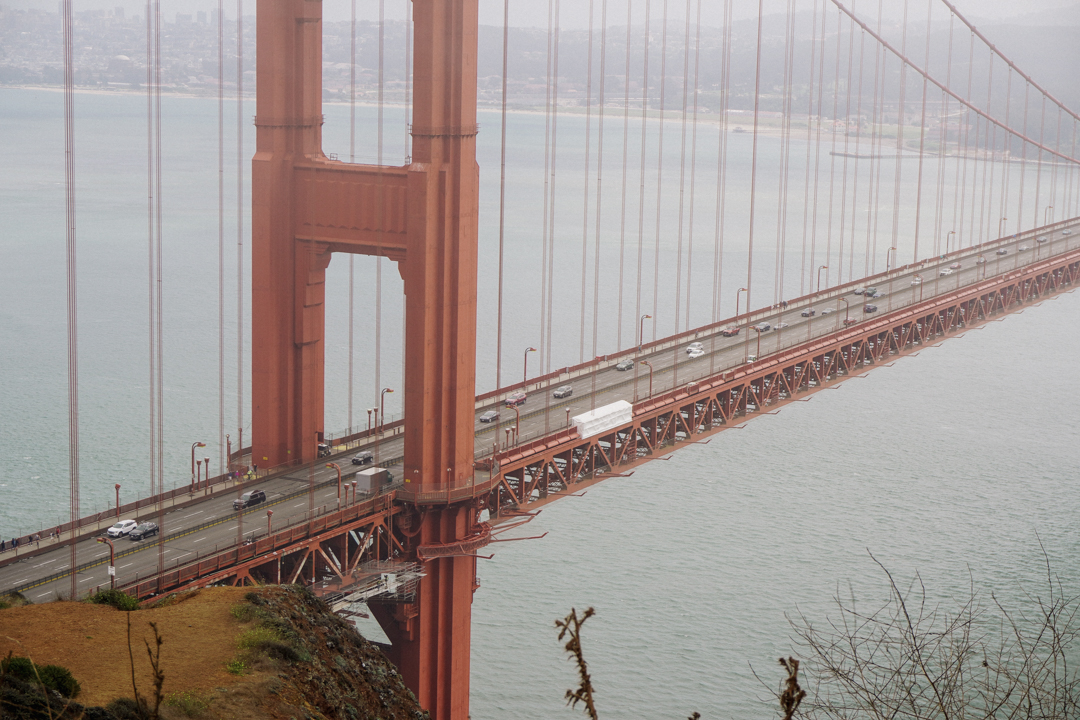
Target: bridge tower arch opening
305,207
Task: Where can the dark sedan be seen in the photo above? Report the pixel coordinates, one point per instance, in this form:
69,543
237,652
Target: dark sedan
144,530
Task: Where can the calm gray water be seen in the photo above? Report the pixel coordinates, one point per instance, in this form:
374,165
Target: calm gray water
950,461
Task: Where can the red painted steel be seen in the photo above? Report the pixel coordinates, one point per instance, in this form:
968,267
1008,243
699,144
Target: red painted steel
424,216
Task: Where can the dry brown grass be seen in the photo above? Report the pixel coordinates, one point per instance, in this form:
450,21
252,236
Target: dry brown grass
91,641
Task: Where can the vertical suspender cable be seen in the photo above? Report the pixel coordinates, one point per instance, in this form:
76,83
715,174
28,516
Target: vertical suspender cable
502,195
641,179
875,154
585,192
894,237
693,165
158,281
1038,171
988,187
151,301
943,138
721,170
832,156
352,159
922,134
599,176
809,145
817,145
554,156
1006,171
72,288
879,114
544,340
682,166
785,155
380,211
659,171
858,148
625,154
844,173
240,215
1023,164
753,164
221,241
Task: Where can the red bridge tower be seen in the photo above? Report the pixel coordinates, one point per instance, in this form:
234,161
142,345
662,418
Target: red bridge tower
424,216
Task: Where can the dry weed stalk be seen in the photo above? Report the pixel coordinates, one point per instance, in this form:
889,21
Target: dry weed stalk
571,625
792,695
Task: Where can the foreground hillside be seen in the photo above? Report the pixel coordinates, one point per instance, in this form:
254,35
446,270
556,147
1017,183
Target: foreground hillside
274,652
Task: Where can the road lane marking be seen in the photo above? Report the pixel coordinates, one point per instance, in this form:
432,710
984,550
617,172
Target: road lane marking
200,539
47,592
86,580
46,563
124,566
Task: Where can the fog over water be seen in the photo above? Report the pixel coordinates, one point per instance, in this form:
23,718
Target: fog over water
946,463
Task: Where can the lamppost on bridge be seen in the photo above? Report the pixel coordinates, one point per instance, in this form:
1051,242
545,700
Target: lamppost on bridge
525,372
206,464
948,237
758,330
1001,223
517,424
198,475
738,297
336,467
981,262
508,431
117,486
918,278
823,267
382,403
888,253
193,446
354,484
112,560
369,420
649,365
1047,210
269,527
641,331
847,310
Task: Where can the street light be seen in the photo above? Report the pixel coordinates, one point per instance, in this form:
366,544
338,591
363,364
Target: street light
888,265
206,464
117,486
649,365
847,310
738,296
269,527
198,474
338,469
920,284
525,372
1001,232
641,331
382,403
369,420
1047,210
112,560
517,423
193,446
947,238
823,267
981,262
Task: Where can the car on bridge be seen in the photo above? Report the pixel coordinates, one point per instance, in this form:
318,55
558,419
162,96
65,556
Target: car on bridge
870,292
121,528
809,312
694,346
859,291
869,308
980,260
251,497
916,281
563,391
827,311
1066,232
850,320
325,450
143,531
763,327
1022,248
780,326
945,272
1002,251
695,353
363,457
515,399
1043,239
626,364
730,331
956,266
489,416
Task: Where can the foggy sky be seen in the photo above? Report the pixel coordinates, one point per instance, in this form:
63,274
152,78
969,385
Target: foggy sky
574,13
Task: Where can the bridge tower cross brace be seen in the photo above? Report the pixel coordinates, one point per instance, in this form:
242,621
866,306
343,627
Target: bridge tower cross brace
305,207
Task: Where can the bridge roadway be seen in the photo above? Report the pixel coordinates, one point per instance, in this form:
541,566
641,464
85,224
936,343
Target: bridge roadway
202,526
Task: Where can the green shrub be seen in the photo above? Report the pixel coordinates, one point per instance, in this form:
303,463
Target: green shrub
128,709
236,666
53,677
189,702
117,598
244,612
13,599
